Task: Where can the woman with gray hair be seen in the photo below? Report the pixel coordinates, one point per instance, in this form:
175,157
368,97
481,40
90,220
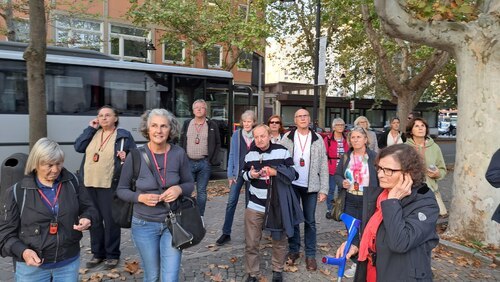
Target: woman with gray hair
336,145
241,141
372,137
356,174
154,185
43,218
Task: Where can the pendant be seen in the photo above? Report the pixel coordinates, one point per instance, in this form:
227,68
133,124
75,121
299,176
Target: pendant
96,157
356,186
302,162
197,140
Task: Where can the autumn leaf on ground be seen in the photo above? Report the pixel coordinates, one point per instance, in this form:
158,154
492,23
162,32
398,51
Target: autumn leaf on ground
290,268
325,271
131,266
112,275
212,247
223,266
217,278
83,271
233,259
262,279
212,266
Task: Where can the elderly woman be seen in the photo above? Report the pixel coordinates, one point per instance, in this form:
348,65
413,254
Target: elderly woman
417,131
392,136
336,145
276,127
241,141
164,179
399,221
105,147
356,174
43,217
372,137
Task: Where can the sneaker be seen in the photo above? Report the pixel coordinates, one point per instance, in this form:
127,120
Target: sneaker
351,271
328,215
110,264
277,276
94,262
223,239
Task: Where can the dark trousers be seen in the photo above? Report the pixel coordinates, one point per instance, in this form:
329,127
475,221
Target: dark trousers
104,234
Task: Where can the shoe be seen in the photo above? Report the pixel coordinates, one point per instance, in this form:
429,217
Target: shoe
94,262
223,239
443,216
328,215
311,264
251,279
293,257
110,264
277,276
351,271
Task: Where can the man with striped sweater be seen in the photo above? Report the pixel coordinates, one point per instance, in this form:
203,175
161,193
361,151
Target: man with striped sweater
263,163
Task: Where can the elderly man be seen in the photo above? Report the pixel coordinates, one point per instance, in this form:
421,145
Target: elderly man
310,159
201,139
269,169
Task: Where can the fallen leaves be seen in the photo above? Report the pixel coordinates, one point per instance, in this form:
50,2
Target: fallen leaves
131,267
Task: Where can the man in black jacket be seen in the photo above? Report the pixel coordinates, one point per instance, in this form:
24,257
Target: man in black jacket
201,139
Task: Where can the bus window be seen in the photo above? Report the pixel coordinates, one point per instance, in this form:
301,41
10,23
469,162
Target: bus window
187,90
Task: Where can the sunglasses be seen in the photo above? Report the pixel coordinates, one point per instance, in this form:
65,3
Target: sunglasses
274,122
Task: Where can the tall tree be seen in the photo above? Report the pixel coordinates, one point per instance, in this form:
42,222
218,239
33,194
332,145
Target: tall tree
474,45
236,25
35,56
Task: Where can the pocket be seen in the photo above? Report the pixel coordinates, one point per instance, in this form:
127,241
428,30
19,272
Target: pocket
31,236
138,222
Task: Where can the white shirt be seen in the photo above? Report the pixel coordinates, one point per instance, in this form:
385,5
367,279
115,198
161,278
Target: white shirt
298,154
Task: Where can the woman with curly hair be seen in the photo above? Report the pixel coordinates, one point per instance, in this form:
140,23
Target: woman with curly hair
399,221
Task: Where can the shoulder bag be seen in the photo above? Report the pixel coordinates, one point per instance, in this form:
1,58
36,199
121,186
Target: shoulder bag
339,201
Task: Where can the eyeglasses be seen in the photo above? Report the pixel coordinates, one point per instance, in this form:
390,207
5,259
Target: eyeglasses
105,116
387,171
301,116
275,122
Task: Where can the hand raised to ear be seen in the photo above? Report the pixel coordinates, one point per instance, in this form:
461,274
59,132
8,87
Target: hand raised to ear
402,188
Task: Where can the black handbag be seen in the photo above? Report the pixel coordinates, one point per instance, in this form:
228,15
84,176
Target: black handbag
185,223
122,211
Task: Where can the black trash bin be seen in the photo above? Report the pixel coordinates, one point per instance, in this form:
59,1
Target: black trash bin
12,170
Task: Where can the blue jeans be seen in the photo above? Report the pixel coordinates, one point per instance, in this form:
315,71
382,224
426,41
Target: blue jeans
232,202
309,201
332,192
200,169
67,273
354,205
160,261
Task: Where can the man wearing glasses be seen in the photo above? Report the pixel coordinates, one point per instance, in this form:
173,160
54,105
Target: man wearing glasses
201,140
310,162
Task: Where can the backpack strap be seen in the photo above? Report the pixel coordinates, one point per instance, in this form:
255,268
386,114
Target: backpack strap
19,194
136,165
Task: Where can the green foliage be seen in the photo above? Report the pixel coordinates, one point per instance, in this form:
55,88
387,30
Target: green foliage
449,10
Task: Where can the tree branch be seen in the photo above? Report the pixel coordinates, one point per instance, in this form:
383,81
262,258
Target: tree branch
432,66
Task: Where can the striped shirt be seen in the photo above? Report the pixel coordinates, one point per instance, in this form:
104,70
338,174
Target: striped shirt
274,156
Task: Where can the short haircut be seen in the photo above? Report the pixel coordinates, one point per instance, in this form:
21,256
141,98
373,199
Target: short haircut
263,126
173,123
45,150
114,111
336,121
248,114
411,123
362,118
200,101
410,160
393,119
281,129
360,130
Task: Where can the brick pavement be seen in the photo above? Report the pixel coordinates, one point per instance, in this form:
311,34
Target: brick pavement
202,263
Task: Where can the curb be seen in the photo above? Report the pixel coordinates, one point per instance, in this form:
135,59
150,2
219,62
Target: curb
467,251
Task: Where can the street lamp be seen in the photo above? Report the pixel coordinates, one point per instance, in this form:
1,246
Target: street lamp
149,46
355,73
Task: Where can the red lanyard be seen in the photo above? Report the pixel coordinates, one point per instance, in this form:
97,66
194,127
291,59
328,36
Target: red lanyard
105,140
54,203
302,148
198,127
163,180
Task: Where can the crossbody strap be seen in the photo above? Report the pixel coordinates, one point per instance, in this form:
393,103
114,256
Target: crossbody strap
150,166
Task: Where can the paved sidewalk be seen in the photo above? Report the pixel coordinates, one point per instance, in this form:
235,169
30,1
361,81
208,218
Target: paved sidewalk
203,263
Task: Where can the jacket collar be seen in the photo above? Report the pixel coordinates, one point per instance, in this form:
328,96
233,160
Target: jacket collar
292,134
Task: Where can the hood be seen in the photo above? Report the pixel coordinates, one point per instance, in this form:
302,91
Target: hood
428,142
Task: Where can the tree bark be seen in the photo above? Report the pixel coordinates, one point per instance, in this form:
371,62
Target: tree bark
477,52
35,56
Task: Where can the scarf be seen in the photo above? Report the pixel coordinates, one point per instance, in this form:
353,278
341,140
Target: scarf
369,238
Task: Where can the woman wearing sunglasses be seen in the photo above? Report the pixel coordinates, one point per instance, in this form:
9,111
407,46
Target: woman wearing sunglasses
276,127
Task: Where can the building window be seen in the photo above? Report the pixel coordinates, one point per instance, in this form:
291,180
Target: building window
22,31
214,56
77,33
174,52
245,61
128,43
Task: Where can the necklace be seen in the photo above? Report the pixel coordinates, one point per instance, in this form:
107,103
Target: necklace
198,128
103,144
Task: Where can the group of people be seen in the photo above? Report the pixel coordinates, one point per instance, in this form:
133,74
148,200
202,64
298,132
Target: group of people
285,175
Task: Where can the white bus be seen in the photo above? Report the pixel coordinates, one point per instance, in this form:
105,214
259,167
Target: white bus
78,82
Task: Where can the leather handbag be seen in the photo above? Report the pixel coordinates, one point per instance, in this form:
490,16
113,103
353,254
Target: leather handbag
185,223
338,205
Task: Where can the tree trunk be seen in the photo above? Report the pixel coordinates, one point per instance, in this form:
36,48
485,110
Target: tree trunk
405,106
35,56
474,199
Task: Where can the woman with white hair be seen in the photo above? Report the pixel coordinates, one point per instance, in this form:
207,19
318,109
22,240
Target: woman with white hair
43,217
372,137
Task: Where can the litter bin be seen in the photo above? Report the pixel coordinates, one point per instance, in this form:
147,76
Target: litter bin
12,170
